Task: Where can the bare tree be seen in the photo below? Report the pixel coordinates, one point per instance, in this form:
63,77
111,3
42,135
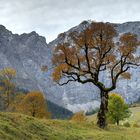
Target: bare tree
92,52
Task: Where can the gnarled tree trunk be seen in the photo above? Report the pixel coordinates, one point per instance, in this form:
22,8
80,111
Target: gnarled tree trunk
102,122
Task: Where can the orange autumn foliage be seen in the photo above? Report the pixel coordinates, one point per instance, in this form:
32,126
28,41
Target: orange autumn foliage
79,117
34,104
15,105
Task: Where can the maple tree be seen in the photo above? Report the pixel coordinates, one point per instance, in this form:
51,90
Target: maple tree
86,55
34,104
118,109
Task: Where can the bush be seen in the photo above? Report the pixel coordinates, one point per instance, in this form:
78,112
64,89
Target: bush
136,125
126,124
118,109
79,117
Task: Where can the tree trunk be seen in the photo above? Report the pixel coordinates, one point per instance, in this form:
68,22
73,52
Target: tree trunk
33,113
117,122
102,122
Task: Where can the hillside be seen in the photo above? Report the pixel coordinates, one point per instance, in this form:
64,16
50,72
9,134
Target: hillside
58,112
135,117
17,126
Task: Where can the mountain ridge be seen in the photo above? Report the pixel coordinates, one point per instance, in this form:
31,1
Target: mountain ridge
28,52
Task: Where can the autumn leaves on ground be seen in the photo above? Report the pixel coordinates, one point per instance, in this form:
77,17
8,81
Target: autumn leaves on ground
90,53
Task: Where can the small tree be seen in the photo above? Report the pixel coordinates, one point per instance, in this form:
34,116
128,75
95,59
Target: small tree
79,117
84,56
118,109
16,104
7,86
34,104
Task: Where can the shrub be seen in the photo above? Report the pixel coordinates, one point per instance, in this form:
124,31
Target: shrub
118,109
136,125
79,116
126,124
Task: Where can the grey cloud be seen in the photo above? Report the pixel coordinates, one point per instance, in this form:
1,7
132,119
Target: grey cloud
50,17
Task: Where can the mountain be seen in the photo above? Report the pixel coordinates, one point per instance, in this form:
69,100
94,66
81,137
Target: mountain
29,52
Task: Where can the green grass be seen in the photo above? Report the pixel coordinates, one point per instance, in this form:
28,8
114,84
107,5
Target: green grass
21,127
135,116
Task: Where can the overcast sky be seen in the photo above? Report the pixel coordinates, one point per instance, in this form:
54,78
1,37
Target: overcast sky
51,17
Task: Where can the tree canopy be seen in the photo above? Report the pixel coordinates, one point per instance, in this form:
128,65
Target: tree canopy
34,104
118,109
92,51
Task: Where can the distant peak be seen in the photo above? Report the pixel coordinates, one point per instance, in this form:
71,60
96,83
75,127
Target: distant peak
89,21
33,33
2,27
131,22
30,34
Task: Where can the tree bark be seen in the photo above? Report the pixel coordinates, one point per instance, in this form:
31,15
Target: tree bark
33,113
117,122
102,122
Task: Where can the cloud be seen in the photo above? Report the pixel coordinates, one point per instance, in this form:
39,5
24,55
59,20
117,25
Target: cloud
51,17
